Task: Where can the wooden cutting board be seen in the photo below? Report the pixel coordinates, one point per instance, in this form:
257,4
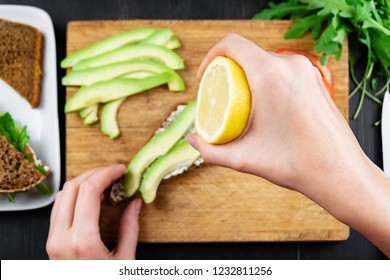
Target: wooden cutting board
210,203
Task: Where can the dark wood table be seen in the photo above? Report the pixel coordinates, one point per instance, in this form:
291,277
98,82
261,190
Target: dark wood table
23,234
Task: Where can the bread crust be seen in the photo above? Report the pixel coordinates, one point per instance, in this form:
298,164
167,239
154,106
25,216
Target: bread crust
37,70
21,59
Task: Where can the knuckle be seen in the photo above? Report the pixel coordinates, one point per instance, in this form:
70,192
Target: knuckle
273,73
81,246
302,63
273,67
87,187
232,37
53,249
68,186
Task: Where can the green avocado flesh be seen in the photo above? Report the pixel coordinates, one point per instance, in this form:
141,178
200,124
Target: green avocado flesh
91,115
182,154
109,44
138,74
113,89
172,43
160,37
86,111
107,72
109,115
109,122
159,145
128,52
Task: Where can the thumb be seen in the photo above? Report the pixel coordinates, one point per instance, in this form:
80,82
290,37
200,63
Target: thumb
128,231
215,154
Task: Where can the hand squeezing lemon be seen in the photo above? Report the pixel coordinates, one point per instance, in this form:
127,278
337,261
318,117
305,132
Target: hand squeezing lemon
224,102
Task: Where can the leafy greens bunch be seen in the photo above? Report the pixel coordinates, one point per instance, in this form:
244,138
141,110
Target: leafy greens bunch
329,23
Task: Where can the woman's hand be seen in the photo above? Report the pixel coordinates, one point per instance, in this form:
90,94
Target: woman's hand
297,138
74,224
294,130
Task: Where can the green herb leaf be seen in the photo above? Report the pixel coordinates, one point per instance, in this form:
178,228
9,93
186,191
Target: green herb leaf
41,169
331,7
11,197
381,47
279,11
363,12
303,25
375,12
368,20
11,132
22,140
371,23
329,41
43,188
374,83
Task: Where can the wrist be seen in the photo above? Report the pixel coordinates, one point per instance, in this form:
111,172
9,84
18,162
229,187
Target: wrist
358,195
371,215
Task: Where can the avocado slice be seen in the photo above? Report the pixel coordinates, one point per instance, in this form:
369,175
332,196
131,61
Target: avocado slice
160,53
86,111
160,37
159,145
109,122
91,116
172,43
113,89
182,154
109,44
139,75
107,72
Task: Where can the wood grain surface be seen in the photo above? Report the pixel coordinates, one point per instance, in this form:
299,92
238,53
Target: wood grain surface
208,203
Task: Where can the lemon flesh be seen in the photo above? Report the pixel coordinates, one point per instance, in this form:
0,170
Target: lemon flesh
224,102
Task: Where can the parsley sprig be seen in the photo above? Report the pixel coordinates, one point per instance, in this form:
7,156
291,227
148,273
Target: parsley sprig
330,22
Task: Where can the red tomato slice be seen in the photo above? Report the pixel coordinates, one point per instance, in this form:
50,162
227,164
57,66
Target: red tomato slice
325,72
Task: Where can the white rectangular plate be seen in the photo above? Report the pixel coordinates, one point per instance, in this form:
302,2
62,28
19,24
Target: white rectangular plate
42,122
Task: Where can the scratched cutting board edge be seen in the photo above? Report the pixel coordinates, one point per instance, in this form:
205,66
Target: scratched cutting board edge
209,203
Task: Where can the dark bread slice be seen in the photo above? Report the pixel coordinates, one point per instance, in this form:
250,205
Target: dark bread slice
16,172
21,59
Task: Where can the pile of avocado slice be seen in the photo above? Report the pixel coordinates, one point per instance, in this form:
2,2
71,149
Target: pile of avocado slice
122,65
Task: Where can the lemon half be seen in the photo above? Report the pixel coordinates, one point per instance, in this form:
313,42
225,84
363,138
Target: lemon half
224,102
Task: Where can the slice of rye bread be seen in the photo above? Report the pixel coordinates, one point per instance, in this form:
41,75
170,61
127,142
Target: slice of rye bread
16,172
21,59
